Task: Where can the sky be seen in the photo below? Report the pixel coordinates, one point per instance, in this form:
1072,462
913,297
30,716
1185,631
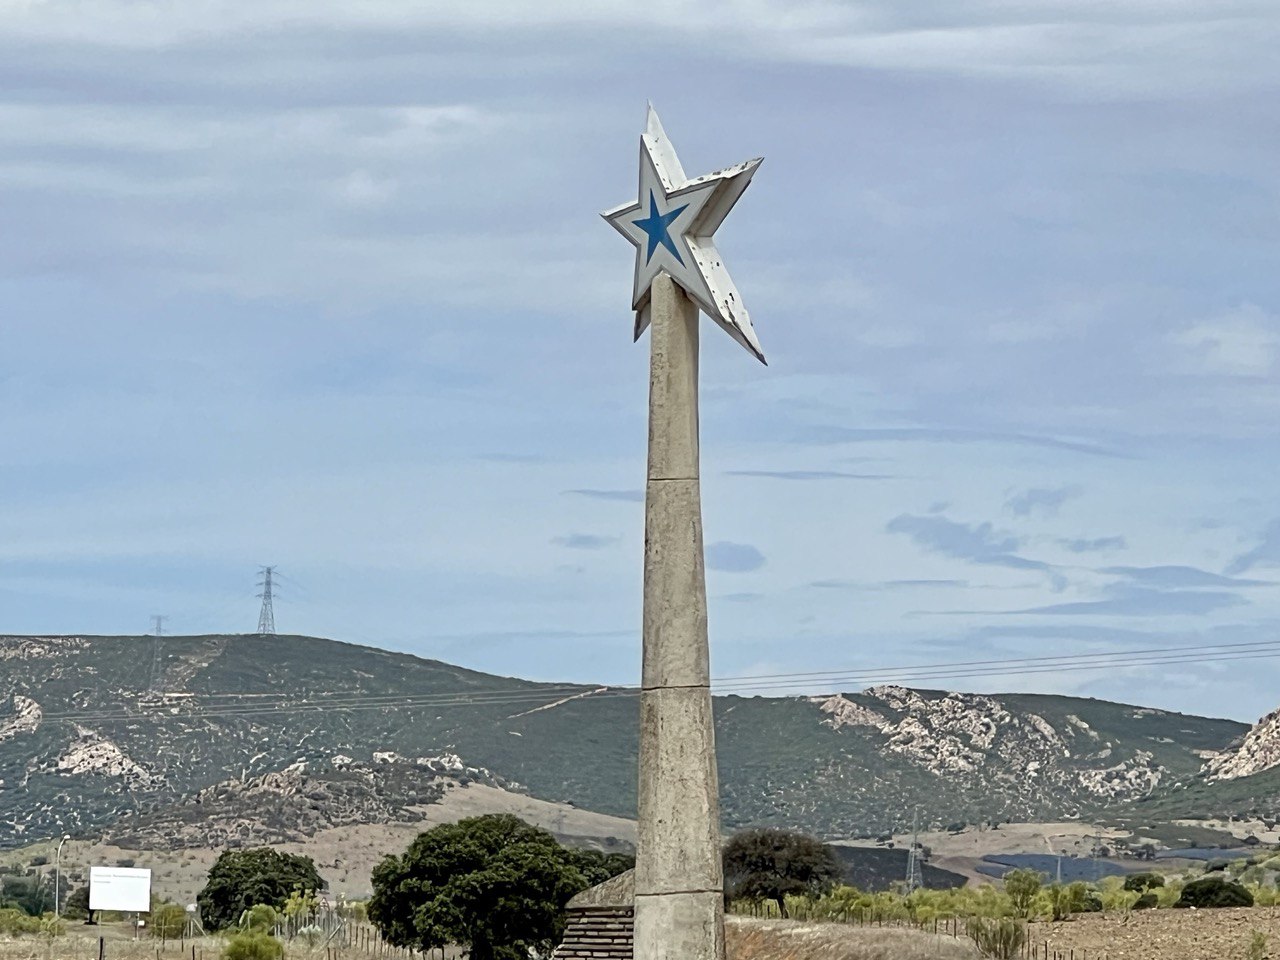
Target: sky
325,285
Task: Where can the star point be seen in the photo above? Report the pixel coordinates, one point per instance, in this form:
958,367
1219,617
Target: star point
676,236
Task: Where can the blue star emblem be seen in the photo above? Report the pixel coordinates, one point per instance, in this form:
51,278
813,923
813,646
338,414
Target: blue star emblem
658,228
695,209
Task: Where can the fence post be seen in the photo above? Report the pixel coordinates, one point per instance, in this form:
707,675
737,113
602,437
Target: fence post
102,948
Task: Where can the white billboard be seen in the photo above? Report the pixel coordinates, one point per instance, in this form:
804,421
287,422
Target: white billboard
119,888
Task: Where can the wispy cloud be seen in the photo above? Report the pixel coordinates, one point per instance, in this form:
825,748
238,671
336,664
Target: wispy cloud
1178,578
1041,501
809,475
1096,545
1142,602
629,496
836,434
980,543
887,584
1242,343
1267,551
513,457
585,541
730,557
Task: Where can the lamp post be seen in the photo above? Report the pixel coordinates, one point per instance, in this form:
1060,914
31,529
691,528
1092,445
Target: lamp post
57,876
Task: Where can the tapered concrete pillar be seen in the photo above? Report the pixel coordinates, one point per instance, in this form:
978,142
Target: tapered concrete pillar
679,905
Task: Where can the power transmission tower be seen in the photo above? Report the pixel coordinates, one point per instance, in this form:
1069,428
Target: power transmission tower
267,617
914,880
157,630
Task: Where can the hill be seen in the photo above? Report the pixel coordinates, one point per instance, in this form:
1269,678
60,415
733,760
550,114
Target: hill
205,734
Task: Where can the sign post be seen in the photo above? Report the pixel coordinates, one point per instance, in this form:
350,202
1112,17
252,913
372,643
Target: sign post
679,889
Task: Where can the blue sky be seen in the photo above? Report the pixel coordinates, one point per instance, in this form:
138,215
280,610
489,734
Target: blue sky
324,285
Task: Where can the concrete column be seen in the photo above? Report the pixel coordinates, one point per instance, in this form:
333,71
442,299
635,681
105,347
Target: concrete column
679,905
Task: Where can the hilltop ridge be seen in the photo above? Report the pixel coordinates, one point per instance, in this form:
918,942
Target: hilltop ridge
92,739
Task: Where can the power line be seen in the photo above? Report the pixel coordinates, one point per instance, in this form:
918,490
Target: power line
885,675
267,616
250,704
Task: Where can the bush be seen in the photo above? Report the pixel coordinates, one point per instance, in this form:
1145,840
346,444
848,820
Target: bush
51,927
1066,899
1214,892
1022,887
168,921
16,922
1148,901
261,917
1142,882
253,946
1000,939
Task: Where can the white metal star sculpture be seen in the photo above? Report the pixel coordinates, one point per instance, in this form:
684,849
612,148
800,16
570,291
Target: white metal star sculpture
671,225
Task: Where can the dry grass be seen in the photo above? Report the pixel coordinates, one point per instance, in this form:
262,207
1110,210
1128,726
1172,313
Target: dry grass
345,856
120,945
1221,934
750,939
75,946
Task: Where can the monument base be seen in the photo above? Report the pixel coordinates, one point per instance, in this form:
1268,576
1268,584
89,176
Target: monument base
680,926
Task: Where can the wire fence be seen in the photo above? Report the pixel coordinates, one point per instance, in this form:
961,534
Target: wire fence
343,941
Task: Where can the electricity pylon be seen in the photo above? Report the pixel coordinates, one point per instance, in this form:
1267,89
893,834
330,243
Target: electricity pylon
267,616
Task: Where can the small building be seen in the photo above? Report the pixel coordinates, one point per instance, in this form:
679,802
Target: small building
601,922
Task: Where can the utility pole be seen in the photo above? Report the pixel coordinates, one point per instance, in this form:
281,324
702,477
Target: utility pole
267,616
57,877
157,630
914,878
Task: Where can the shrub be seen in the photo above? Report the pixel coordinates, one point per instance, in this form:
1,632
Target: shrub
1022,887
1257,949
253,945
15,922
1000,939
168,921
1169,894
1142,882
1066,899
1148,901
51,927
261,917
1265,896
1214,892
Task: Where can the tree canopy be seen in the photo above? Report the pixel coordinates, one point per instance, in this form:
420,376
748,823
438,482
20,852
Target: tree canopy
241,879
1022,886
493,884
775,864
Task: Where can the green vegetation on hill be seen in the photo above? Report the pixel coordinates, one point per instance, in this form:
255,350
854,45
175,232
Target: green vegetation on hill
104,740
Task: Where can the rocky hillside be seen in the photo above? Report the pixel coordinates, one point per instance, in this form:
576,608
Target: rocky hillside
1256,751
299,802
246,736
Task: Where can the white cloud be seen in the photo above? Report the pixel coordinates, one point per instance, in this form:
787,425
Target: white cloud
1119,48
1242,343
